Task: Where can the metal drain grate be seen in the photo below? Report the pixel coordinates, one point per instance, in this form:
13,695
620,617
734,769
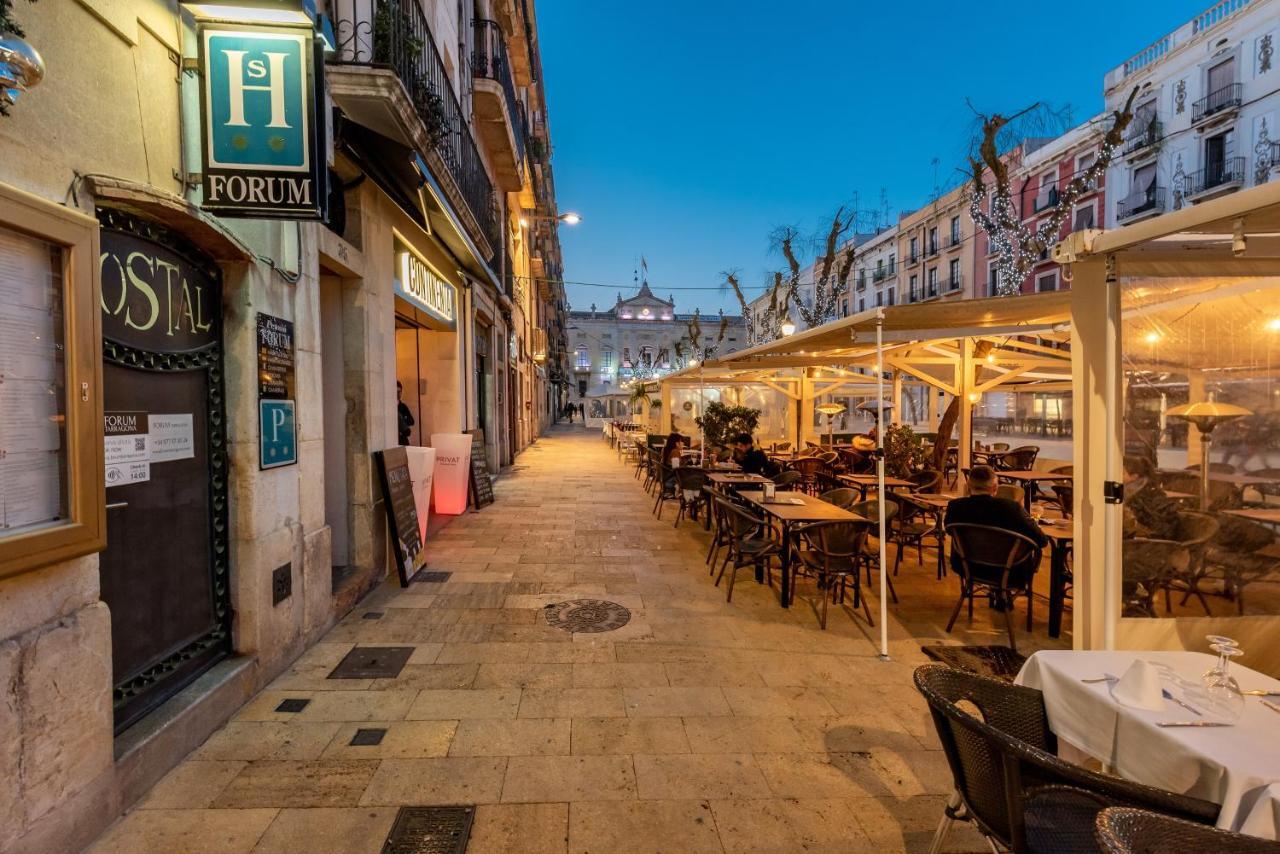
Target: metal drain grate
293,705
367,737
423,575
372,662
430,830
587,615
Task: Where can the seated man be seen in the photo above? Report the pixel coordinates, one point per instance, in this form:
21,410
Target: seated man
752,459
981,506
1148,512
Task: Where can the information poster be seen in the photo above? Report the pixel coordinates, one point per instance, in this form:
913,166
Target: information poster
171,437
402,515
277,428
127,452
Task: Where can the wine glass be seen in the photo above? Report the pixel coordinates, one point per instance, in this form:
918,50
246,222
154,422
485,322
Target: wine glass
1224,692
1220,666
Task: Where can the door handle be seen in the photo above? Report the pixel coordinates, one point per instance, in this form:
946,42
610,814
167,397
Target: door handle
117,505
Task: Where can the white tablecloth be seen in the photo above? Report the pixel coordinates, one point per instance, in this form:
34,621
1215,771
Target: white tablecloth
1238,766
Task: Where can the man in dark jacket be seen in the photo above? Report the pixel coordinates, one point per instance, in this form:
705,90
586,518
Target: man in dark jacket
981,506
752,459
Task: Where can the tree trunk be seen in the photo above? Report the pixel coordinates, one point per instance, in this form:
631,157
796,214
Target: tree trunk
952,415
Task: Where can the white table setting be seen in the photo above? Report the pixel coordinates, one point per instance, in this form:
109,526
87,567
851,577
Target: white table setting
1163,718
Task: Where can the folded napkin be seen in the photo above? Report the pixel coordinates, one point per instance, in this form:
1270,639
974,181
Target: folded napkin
1139,687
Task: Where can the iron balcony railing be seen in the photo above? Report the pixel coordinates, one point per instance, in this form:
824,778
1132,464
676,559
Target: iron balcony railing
1145,133
882,273
1149,200
933,248
954,239
862,280
1046,200
1215,102
931,289
953,284
489,61
394,34
1225,173
1274,157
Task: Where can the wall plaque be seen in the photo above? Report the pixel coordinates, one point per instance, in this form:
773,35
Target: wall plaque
153,297
275,358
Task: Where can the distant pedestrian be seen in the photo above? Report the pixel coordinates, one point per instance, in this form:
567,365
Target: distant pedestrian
403,416
582,410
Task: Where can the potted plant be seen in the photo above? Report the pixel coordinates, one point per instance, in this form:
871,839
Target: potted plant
903,451
720,423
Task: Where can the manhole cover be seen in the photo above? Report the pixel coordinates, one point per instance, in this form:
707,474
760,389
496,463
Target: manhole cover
587,615
367,737
430,577
372,662
430,830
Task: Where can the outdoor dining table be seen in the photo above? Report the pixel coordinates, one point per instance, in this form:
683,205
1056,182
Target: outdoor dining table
731,480
863,482
787,512
1265,515
1028,479
1237,766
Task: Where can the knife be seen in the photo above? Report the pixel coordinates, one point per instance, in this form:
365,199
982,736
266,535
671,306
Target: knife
1261,693
1191,723
1168,696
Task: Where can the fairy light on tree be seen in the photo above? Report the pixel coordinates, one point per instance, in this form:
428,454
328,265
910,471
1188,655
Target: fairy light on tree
831,272
1016,246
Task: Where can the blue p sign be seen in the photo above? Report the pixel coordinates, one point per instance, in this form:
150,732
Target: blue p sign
278,444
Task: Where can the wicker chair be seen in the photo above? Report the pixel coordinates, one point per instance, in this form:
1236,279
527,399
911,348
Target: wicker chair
841,497
1144,571
1019,459
1220,468
927,481
1195,530
915,524
1124,830
811,470
689,481
870,509
834,552
1235,556
747,541
664,481
996,560
1008,781
719,531
787,479
1011,491
781,447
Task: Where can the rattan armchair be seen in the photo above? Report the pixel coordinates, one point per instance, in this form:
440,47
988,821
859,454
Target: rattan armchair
1008,781
690,482
746,539
996,560
841,497
834,551
1124,830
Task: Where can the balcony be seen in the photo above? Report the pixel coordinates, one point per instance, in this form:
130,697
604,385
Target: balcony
932,249
954,240
1216,103
388,75
1046,200
882,273
499,113
914,257
1216,179
1143,137
952,284
931,290
1142,204
862,280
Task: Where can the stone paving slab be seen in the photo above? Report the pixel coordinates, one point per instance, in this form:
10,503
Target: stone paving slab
701,726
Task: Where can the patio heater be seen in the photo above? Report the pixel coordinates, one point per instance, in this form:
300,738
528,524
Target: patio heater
831,410
1206,415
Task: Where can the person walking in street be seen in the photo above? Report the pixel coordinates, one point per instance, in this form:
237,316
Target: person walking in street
404,417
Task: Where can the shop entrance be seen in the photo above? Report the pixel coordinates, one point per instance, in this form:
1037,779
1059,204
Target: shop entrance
164,572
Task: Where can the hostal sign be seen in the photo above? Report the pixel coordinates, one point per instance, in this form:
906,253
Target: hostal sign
260,123
422,286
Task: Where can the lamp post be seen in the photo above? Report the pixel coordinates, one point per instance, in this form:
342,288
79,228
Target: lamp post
568,218
1206,415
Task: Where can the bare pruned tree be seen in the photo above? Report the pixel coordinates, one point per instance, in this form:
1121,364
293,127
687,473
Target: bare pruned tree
1016,246
831,271
763,324
701,351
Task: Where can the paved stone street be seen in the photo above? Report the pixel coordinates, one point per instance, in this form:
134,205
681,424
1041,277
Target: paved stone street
699,726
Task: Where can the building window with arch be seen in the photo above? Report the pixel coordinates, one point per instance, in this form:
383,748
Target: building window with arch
582,358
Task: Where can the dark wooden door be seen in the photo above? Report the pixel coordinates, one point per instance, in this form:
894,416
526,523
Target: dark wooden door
165,570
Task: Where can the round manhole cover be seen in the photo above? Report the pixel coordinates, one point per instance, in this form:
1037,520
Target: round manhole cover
587,615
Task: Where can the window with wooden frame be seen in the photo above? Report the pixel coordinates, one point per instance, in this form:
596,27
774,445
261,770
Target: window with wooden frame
51,493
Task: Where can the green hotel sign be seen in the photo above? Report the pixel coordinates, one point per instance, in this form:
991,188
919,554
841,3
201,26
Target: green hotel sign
263,150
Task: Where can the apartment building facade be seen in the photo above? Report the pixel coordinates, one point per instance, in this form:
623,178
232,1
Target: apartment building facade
936,250
1207,113
200,498
875,280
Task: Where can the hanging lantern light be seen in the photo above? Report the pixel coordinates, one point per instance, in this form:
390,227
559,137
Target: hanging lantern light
21,68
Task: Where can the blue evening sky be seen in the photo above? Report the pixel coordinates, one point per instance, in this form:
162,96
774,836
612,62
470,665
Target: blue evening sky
685,131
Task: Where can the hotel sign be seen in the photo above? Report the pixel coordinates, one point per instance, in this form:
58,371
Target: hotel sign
262,123
426,289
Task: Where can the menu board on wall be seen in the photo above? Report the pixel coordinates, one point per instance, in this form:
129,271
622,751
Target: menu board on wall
32,370
402,516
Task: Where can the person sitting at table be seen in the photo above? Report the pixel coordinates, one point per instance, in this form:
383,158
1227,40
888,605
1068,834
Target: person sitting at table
981,506
672,450
750,458
1148,512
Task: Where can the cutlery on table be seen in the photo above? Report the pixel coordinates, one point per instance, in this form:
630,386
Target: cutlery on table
1168,696
1192,723
1272,706
1261,693
1107,678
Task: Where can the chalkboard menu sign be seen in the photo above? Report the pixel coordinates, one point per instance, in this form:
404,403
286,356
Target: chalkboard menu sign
275,358
397,496
481,482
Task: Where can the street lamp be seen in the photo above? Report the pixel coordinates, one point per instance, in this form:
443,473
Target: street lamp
788,327
568,218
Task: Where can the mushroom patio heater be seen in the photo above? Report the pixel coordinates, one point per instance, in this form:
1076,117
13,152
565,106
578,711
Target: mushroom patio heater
874,408
1206,415
831,410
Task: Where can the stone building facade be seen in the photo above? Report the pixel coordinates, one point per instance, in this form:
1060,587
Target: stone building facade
158,593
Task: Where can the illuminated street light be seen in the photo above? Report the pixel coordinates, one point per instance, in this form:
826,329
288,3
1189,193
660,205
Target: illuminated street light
788,327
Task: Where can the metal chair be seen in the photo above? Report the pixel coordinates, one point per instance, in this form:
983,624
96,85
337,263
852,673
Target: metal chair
1011,491
1124,830
1235,555
747,541
689,480
927,481
996,560
1144,571
1194,532
841,497
1008,781
787,479
915,524
1022,458
811,470
835,553
870,509
665,482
